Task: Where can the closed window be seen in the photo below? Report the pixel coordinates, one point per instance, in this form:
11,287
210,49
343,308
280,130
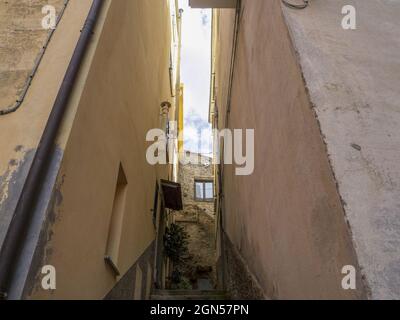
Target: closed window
204,190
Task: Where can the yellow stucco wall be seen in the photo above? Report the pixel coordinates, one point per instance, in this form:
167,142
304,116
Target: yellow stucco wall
21,130
124,80
181,118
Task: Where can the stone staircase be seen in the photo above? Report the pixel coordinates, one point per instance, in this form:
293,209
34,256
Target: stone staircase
189,295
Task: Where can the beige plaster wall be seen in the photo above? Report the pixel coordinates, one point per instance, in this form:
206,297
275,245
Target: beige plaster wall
21,130
124,80
286,219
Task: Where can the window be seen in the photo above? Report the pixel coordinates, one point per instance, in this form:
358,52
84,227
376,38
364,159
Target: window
204,190
117,217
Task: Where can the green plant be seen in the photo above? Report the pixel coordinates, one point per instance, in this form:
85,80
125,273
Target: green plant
182,284
175,243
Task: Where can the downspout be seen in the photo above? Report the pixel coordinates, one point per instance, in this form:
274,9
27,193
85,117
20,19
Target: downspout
17,231
233,60
228,106
221,175
178,67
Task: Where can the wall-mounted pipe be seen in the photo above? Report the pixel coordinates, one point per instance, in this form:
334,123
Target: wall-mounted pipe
233,61
16,234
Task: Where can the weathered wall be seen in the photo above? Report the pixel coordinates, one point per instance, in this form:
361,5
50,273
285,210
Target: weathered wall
353,77
22,38
124,80
137,282
286,220
201,260
187,175
197,219
21,130
238,280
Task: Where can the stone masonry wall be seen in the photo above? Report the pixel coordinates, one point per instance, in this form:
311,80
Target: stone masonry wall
21,38
187,175
197,219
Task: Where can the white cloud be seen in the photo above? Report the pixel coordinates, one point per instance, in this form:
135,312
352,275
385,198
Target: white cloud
195,71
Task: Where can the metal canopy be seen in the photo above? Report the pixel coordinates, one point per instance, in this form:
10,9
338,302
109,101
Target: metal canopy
213,3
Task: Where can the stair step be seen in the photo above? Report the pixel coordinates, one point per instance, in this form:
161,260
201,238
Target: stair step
189,292
188,295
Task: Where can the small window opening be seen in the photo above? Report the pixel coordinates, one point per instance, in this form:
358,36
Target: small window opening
117,217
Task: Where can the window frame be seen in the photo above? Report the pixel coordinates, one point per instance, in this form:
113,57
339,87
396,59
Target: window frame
203,181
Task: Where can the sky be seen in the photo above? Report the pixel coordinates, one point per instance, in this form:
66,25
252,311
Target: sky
195,74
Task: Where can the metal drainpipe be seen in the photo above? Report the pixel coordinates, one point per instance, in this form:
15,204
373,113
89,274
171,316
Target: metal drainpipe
22,217
233,61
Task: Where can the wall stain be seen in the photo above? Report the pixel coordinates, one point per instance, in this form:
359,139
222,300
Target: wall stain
44,249
11,184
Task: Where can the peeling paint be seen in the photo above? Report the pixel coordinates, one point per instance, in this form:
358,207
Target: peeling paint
51,200
11,184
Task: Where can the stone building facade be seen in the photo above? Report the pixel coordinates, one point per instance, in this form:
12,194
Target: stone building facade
200,170
197,219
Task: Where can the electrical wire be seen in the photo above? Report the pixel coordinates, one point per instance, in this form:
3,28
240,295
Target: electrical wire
14,107
296,6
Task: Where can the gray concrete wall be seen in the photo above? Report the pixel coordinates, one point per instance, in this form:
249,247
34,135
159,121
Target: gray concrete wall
353,77
137,283
239,281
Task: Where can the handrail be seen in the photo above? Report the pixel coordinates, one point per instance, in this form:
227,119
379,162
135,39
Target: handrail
17,231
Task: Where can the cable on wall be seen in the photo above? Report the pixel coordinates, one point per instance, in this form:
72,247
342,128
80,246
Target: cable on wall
14,107
296,6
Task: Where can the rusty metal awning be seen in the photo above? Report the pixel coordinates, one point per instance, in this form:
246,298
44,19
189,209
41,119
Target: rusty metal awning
213,4
172,194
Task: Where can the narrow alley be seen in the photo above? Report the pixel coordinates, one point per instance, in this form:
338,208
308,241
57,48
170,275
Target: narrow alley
199,150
